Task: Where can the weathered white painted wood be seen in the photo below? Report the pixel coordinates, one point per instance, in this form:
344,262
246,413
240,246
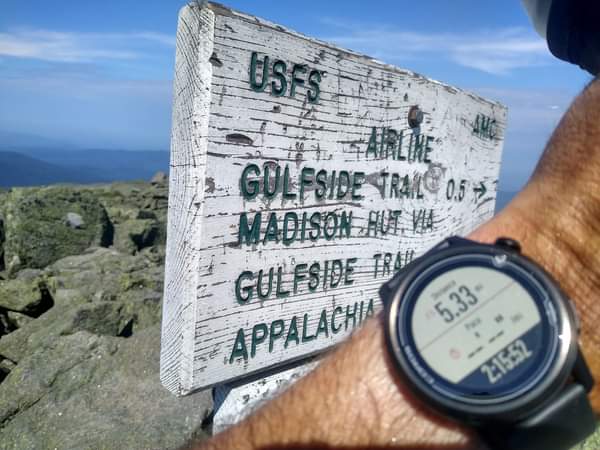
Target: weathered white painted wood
238,402
221,126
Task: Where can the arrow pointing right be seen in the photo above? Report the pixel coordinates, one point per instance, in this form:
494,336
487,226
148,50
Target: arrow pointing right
481,190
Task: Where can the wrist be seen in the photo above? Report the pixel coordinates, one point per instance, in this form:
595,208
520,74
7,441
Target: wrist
566,245
354,399
432,347
389,402
387,411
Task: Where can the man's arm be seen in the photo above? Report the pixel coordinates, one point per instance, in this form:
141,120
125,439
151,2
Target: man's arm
355,398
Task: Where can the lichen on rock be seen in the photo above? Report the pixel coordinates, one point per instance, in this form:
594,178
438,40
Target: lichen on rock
35,229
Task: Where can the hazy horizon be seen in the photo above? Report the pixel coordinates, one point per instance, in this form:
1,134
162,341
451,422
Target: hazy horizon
100,76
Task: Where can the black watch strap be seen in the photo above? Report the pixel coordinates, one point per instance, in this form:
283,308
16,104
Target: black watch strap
565,422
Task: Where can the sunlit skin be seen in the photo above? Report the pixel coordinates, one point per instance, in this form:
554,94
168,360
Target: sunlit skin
355,399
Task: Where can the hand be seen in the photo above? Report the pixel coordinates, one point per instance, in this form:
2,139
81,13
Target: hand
355,399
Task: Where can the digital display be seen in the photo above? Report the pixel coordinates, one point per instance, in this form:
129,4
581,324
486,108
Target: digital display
477,327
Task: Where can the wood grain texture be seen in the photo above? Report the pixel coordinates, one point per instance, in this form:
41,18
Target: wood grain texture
221,125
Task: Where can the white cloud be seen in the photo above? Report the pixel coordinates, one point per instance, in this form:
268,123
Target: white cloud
493,51
73,47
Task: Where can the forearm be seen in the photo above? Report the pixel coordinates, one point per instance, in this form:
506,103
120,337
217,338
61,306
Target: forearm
355,398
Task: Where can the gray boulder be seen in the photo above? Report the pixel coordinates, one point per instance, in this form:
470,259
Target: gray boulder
27,296
159,178
136,234
107,274
96,392
36,232
2,239
100,291
18,320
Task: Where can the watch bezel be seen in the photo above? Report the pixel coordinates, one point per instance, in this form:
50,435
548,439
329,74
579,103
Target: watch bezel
502,411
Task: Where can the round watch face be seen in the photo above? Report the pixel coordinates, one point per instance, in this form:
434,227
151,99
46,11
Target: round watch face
478,329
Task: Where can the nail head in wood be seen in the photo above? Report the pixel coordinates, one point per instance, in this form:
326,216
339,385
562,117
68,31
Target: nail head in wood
415,117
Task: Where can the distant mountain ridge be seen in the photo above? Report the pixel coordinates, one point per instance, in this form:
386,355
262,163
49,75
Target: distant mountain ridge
35,167
17,169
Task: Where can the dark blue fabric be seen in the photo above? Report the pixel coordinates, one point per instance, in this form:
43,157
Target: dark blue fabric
574,32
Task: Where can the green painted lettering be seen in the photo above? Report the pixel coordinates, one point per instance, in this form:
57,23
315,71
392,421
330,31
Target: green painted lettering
376,257
349,270
314,276
382,142
271,232
351,315
275,333
418,148
314,78
370,309
279,70
239,347
259,285
267,181
281,293
255,85
250,235
428,149
405,189
330,226
321,181
259,334
337,269
286,185
299,275
391,141
372,145
399,155
394,185
296,80
322,327
249,188
359,179
343,184
345,224
293,217
292,334
372,223
306,337
315,223
306,179
336,311
243,294
303,232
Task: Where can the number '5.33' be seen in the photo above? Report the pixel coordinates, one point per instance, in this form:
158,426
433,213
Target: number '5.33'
456,304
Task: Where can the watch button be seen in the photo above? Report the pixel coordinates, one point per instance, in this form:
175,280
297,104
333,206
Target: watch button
508,244
575,315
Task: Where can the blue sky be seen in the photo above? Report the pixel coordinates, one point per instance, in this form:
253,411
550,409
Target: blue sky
98,74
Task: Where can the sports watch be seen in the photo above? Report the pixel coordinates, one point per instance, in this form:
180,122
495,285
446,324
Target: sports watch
485,336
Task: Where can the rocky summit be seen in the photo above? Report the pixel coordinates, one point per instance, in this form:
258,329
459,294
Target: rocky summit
81,280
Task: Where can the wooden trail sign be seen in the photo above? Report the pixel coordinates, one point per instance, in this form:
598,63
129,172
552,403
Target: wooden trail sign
302,177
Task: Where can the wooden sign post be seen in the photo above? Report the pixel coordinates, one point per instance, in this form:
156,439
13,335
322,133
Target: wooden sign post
303,176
